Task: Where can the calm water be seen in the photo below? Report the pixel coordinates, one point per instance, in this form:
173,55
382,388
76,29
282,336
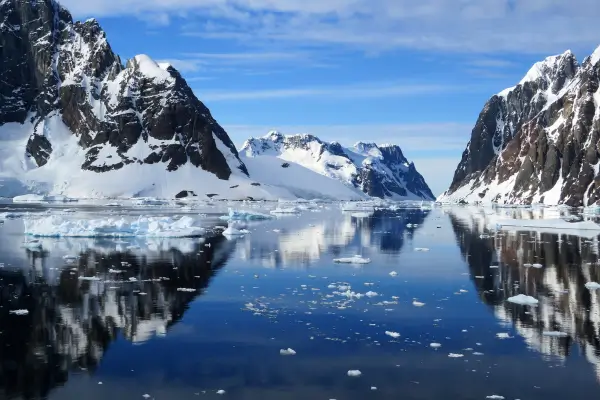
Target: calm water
277,288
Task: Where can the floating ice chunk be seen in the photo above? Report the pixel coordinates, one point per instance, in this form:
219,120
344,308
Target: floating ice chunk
455,355
503,335
182,289
19,312
435,345
220,391
393,273
392,334
373,387
592,285
537,265
146,396
523,300
234,230
421,249
495,397
352,260
88,278
242,215
287,352
70,257
354,373
57,226
417,303
371,294
149,201
555,334
528,265
286,210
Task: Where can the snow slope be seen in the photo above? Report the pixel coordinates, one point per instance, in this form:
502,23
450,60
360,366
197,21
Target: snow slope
375,170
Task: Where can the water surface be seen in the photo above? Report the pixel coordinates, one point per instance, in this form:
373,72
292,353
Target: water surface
189,317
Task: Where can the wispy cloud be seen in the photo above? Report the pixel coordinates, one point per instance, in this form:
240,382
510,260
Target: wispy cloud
492,63
375,90
482,26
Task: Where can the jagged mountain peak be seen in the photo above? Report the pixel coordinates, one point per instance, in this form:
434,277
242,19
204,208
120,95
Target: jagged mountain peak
551,74
538,141
67,89
379,171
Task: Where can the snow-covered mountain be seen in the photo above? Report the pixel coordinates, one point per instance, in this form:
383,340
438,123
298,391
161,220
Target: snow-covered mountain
74,120
537,141
298,162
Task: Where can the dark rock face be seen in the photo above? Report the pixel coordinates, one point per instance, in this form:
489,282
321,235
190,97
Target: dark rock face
54,67
541,136
377,170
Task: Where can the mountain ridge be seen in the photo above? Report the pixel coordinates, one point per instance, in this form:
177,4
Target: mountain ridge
537,142
376,170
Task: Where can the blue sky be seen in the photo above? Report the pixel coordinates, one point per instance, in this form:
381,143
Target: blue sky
413,73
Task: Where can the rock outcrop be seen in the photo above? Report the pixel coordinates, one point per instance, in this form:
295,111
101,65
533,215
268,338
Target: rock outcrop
537,142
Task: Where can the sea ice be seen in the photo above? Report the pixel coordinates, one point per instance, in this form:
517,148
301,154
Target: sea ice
455,355
503,335
393,273
19,312
523,300
592,285
435,345
57,226
36,198
234,230
352,260
417,303
392,334
243,215
354,373
149,201
555,334
286,210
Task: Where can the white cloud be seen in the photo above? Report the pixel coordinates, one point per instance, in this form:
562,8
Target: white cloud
376,90
435,148
485,26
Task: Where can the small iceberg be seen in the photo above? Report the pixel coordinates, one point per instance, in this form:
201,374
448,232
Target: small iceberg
19,312
555,334
149,201
435,345
455,355
417,303
392,334
235,230
241,215
352,260
523,300
287,352
354,373
592,285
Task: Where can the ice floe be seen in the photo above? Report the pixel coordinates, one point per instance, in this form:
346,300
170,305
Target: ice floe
352,260
243,215
19,312
592,285
287,352
523,300
354,373
57,226
392,334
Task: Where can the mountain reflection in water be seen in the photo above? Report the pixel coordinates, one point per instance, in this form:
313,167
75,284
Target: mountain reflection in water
565,305
72,322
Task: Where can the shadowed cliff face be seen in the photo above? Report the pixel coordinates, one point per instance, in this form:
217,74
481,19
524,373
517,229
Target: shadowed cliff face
538,141
52,67
72,322
565,304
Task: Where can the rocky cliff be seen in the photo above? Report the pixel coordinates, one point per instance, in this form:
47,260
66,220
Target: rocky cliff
537,142
60,75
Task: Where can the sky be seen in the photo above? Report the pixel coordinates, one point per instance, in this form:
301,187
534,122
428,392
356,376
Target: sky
413,73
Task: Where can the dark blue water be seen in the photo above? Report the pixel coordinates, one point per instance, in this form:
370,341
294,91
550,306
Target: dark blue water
277,288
